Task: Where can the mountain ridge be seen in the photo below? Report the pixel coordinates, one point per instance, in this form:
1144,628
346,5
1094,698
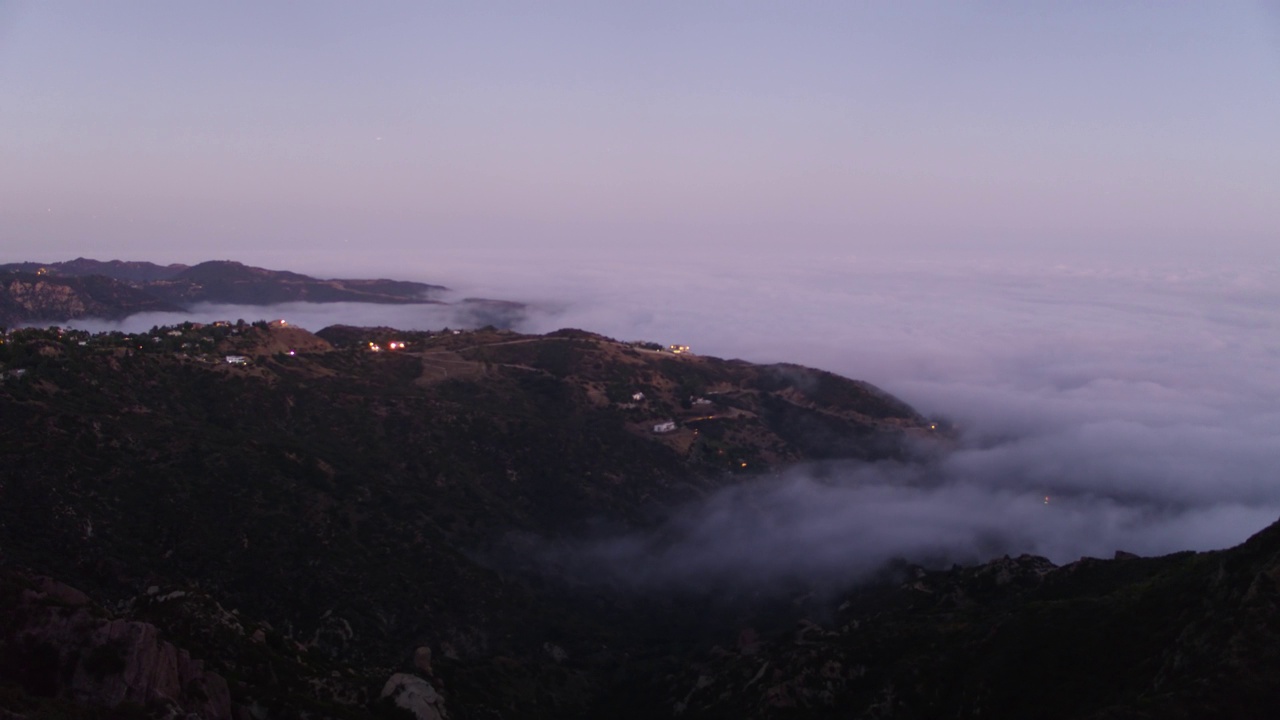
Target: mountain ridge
83,288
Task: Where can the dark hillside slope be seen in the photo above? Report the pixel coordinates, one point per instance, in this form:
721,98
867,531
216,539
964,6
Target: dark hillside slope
1183,636
360,488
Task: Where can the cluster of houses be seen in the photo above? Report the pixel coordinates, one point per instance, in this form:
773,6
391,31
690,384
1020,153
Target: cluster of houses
663,426
190,337
657,347
392,346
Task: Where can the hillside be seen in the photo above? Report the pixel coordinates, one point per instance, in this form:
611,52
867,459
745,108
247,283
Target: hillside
245,520
37,298
374,484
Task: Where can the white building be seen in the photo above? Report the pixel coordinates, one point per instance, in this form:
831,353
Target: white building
665,426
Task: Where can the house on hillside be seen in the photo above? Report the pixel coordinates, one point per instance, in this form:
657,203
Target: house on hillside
637,396
665,426
237,360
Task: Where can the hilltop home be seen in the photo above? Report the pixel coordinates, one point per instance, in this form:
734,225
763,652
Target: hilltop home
665,426
237,360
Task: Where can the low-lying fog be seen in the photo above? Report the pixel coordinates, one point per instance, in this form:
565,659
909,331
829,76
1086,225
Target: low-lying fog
1144,405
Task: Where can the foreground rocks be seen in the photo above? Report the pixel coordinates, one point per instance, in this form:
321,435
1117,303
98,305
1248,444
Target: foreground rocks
58,646
415,695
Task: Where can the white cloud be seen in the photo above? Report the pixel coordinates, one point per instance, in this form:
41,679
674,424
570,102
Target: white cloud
1146,403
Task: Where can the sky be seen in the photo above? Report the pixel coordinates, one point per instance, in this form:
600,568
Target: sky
1054,224
336,134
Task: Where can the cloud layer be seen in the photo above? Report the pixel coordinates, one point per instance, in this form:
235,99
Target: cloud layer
1146,405
834,524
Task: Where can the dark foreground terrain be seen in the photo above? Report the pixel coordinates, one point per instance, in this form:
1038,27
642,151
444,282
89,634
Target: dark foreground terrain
252,521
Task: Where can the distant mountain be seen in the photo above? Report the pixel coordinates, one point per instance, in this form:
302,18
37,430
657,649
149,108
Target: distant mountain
222,281
249,521
89,288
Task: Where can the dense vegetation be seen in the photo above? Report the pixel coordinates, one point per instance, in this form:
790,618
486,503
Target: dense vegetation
309,514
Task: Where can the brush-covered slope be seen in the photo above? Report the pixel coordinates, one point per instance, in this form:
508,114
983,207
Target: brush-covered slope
1190,635
255,521
362,487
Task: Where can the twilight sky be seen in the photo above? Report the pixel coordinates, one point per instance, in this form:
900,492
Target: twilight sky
330,136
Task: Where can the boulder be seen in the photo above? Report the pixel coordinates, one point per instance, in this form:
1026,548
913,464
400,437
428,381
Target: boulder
422,660
415,695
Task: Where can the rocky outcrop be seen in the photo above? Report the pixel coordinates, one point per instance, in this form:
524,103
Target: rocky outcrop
28,298
60,645
415,695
